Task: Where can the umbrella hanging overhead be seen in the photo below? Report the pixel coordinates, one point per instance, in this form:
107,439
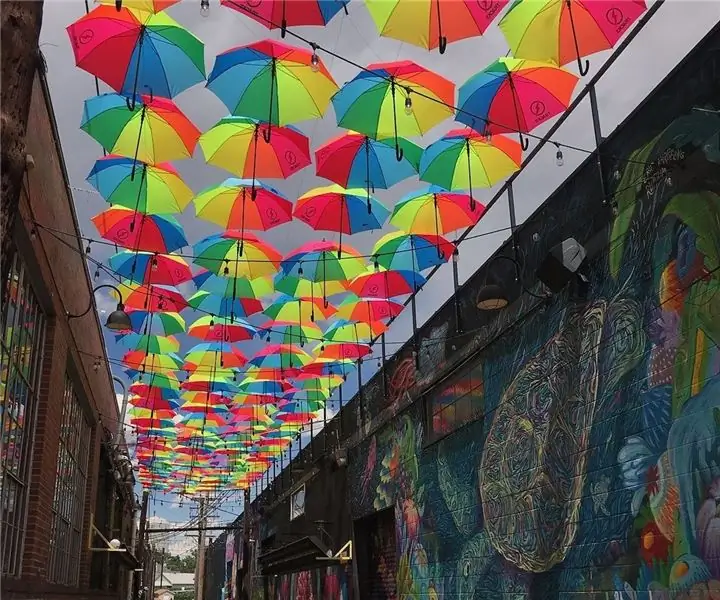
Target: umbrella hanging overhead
299,310
154,131
354,160
281,14
323,261
272,81
243,204
291,332
236,254
137,52
150,342
513,95
152,6
432,23
148,267
562,31
223,306
298,287
163,323
333,208
436,211
234,145
138,231
368,310
240,287
386,284
370,103
342,330
209,328
159,189
151,298
411,251
463,159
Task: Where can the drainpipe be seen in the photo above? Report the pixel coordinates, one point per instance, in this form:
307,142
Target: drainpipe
123,410
133,538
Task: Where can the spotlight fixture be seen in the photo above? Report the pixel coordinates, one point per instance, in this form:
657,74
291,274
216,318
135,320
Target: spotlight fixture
492,296
118,320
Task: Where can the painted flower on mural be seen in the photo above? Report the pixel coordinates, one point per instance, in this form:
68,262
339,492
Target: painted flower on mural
654,545
708,529
304,587
411,516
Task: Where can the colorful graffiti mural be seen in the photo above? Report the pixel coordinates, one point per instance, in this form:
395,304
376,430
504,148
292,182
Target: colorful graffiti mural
589,460
329,583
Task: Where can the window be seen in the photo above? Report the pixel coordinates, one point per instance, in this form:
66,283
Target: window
23,337
455,401
70,483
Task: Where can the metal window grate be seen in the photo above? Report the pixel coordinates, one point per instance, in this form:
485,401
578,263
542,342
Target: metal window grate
21,347
70,485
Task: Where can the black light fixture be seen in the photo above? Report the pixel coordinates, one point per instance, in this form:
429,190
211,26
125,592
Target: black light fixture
118,320
493,297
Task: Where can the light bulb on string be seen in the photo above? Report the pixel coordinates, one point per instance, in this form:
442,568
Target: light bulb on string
154,263
204,8
96,275
408,103
559,160
314,59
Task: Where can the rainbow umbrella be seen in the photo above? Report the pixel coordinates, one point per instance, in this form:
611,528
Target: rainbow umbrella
281,14
299,310
134,51
272,81
280,356
208,328
342,330
233,144
411,251
151,297
562,31
513,95
149,361
158,190
291,332
323,261
432,24
333,208
436,211
199,382
263,387
368,310
324,367
343,350
154,131
237,287
164,323
354,160
237,254
386,284
152,6
150,342
463,159
164,381
243,204
215,354
151,391
138,231
154,403
149,267
223,306
298,287
368,103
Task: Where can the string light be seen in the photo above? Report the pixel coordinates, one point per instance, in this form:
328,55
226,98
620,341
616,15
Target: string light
314,59
408,103
205,8
559,160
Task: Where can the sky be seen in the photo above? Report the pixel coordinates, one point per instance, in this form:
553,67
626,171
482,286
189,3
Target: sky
669,36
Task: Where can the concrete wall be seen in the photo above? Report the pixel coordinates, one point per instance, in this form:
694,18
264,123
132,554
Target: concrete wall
62,285
586,463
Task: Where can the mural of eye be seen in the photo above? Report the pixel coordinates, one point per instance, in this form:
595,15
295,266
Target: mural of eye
466,569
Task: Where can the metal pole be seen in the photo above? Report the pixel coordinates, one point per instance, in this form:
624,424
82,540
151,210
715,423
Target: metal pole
133,541
513,227
382,367
162,566
597,129
414,335
246,542
200,563
123,410
456,287
360,394
140,581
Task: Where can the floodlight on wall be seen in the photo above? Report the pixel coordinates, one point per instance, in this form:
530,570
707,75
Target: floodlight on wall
118,320
562,264
492,296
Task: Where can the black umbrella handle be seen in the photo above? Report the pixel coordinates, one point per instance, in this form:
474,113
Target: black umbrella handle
442,40
583,67
273,74
398,150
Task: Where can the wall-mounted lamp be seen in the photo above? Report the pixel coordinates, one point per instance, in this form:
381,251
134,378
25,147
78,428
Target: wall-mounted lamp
493,297
118,320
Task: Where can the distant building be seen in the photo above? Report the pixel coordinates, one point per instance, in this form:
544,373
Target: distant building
66,485
174,582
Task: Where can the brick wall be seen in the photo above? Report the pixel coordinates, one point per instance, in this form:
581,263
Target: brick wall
592,469
62,285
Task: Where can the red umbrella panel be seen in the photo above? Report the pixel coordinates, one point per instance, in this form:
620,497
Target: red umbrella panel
152,298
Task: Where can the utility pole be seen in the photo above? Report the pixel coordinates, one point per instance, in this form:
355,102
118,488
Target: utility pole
162,566
141,581
200,562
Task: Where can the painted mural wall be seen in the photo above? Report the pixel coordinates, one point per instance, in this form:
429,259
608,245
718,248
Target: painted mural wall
329,583
583,455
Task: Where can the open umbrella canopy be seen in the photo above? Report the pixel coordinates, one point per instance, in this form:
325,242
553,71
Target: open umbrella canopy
154,131
344,331
289,332
224,306
150,267
354,160
562,31
210,328
138,231
151,298
237,144
368,310
386,284
411,251
159,322
323,261
299,310
297,287
147,188
152,6
137,52
436,211
243,204
236,254
150,342
280,14
272,81
433,23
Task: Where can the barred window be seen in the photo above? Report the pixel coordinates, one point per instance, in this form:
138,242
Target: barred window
66,534
21,346
455,401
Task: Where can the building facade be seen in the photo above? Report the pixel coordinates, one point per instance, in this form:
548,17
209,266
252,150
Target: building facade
562,447
64,484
